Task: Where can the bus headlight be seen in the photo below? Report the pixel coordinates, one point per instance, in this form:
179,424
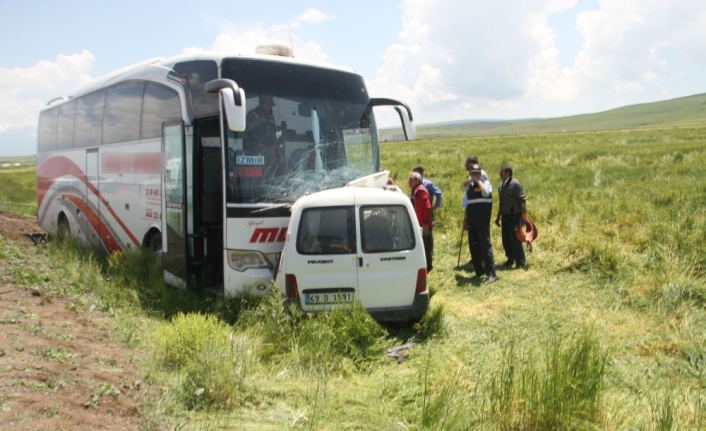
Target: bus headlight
241,260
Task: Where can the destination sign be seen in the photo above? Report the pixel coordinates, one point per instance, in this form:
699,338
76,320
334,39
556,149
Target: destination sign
250,160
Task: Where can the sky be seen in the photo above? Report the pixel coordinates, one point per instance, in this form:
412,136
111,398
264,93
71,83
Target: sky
449,60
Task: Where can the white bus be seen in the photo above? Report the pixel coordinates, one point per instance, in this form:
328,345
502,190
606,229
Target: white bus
198,156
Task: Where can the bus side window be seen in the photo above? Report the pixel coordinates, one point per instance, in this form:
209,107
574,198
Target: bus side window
46,136
123,109
160,105
88,127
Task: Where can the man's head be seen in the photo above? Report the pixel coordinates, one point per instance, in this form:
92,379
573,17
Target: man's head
475,171
419,170
414,180
505,172
266,102
470,161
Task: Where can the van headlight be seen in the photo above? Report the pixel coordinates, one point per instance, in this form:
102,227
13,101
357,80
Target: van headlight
241,260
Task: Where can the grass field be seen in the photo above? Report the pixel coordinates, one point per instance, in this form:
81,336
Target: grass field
605,330
18,190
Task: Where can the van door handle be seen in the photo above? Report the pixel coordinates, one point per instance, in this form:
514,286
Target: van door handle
360,262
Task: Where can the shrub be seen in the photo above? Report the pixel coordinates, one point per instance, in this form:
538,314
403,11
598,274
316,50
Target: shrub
179,342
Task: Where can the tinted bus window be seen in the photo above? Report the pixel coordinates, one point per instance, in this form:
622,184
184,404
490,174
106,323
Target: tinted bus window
199,73
65,133
46,135
160,105
123,109
89,120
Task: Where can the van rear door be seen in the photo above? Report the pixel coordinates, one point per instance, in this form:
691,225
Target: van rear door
389,256
325,261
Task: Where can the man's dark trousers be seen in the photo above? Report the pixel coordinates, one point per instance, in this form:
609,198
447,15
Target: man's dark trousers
428,248
481,249
513,247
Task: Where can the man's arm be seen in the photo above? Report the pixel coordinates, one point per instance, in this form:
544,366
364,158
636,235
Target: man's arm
485,188
437,196
423,197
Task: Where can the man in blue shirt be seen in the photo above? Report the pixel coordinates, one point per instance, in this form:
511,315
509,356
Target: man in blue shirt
435,196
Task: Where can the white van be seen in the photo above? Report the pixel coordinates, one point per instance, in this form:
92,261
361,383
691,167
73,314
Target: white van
355,244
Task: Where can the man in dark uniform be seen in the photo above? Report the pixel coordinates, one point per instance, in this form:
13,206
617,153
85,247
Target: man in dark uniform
512,211
479,211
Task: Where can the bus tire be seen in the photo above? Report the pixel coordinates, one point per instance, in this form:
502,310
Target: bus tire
154,243
63,230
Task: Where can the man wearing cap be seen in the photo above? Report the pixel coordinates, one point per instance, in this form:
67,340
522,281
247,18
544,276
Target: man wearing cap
435,197
512,211
262,135
422,208
470,161
479,211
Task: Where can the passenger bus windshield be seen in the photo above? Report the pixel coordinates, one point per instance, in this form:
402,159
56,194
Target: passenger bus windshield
302,132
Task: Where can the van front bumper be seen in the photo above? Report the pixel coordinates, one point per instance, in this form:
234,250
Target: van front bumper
412,312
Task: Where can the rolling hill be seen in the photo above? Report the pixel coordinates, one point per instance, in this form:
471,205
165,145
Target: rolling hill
681,112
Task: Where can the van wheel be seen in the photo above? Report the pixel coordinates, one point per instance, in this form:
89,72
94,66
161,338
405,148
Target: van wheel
63,230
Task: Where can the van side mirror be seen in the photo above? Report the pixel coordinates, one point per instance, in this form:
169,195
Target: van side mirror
408,126
232,100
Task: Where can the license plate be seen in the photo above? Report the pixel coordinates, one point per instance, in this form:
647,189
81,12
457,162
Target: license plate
328,298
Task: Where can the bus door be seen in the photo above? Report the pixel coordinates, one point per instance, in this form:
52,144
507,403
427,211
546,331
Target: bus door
174,213
91,218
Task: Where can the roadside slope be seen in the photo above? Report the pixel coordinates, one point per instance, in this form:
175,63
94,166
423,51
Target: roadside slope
60,365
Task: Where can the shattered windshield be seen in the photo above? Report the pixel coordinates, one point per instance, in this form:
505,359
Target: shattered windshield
302,132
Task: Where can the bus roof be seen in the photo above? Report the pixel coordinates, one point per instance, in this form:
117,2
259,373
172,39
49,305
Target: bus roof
138,70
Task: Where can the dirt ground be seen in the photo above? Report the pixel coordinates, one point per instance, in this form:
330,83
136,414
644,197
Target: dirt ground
60,366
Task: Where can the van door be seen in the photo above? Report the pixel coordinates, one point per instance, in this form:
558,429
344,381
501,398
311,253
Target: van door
325,258
389,256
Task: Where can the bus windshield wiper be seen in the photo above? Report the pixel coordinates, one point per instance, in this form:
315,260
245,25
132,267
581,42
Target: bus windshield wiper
272,208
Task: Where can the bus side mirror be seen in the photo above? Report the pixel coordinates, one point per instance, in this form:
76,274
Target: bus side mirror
232,100
410,130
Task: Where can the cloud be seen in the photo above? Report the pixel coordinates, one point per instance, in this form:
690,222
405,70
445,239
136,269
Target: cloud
457,58
25,91
314,16
245,40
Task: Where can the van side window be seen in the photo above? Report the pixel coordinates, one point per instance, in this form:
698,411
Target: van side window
327,231
385,229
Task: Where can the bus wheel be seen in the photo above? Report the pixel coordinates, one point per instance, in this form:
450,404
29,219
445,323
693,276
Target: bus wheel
155,244
63,230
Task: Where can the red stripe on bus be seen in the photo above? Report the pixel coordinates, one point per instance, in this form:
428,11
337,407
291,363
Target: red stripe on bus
58,166
96,223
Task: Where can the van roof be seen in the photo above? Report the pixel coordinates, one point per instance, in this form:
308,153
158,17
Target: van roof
352,196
